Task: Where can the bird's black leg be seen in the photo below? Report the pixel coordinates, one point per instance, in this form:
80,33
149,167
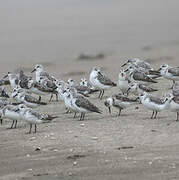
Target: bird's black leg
56,97
100,94
119,112
15,124
1,121
51,97
12,124
109,110
152,115
30,128
83,116
35,128
177,116
74,115
155,114
39,98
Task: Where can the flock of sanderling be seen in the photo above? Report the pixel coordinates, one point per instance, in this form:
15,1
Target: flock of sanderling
134,79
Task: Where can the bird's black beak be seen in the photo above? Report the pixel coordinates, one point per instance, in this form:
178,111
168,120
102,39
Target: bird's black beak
109,110
126,70
5,76
124,64
17,110
33,70
159,69
128,90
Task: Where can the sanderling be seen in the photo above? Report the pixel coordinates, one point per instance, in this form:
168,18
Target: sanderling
3,93
171,73
82,104
100,81
138,76
174,105
33,117
137,89
39,89
175,89
123,82
27,99
13,79
138,62
49,84
39,71
120,101
155,104
23,80
10,112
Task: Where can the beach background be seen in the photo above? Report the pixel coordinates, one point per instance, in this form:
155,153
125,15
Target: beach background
55,33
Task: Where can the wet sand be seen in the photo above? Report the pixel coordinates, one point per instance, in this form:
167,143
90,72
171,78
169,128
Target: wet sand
54,35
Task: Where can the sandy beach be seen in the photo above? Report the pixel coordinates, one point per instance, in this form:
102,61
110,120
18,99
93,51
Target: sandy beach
103,146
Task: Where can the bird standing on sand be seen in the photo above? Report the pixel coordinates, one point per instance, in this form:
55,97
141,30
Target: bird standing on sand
100,81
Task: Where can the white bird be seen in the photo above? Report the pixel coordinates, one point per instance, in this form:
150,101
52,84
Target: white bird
123,82
39,72
139,76
155,104
120,102
13,79
174,105
138,62
10,112
168,72
82,104
137,89
100,81
27,99
33,117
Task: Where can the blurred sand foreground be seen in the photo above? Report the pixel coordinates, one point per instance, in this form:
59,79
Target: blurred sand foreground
54,33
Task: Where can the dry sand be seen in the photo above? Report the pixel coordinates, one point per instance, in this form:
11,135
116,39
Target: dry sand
54,33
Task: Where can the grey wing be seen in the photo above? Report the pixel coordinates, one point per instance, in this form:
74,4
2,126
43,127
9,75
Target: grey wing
176,99
145,65
105,80
174,71
124,98
86,104
146,88
156,100
31,99
139,76
36,114
45,74
42,88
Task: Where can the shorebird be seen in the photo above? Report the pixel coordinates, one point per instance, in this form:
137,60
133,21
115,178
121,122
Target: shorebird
138,62
4,82
33,117
137,89
23,80
100,81
39,72
45,82
123,82
3,93
175,89
120,102
174,105
13,79
168,72
82,104
27,99
155,104
10,112
138,76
